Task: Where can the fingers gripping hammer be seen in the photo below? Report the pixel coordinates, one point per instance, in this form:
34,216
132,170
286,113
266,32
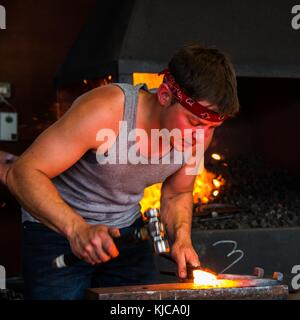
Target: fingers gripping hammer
153,230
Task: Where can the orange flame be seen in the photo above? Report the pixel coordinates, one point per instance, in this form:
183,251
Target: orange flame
206,188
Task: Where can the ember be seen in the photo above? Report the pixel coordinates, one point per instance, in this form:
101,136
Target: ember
216,156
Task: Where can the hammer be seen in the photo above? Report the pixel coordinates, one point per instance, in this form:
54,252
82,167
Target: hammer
153,230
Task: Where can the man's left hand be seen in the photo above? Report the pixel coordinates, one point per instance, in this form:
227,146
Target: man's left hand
184,253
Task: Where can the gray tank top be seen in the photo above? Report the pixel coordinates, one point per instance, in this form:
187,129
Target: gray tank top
110,193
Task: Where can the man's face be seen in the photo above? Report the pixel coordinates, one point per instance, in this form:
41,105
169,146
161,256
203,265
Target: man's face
176,116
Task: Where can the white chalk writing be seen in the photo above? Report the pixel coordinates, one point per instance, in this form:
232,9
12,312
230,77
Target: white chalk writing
234,250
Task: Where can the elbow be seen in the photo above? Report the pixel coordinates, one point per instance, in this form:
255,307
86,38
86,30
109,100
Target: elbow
3,173
11,177
8,178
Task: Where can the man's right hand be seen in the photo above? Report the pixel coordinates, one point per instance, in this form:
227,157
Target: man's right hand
94,243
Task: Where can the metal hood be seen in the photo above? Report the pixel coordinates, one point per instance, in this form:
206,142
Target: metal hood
121,37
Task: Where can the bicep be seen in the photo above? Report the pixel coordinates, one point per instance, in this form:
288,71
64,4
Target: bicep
53,151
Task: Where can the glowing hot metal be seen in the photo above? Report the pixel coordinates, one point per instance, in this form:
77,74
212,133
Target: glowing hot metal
203,278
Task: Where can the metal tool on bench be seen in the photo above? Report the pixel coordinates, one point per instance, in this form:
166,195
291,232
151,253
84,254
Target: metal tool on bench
225,287
189,269
234,280
153,230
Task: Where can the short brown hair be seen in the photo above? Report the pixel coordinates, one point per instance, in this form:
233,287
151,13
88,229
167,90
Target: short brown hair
206,74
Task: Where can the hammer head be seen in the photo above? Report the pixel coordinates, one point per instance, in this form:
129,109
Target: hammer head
156,231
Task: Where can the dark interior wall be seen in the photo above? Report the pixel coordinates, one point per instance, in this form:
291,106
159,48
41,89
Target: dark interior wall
267,124
38,37
258,35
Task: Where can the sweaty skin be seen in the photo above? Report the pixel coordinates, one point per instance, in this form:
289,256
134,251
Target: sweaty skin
68,139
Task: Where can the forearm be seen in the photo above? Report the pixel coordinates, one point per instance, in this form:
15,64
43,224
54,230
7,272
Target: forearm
176,214
37,194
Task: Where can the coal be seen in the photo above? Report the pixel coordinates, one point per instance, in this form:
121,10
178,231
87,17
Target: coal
268,197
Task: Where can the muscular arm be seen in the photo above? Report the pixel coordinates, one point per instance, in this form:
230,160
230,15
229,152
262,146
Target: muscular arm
55,150
176,214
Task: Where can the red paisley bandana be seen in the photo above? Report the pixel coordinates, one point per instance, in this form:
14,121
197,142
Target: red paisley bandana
190,104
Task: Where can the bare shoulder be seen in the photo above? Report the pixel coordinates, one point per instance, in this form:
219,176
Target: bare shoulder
107,100
99,108
105,97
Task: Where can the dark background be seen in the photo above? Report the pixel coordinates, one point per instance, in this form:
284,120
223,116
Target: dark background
34,45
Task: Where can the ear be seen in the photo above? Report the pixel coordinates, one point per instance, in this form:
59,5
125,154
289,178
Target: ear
164,95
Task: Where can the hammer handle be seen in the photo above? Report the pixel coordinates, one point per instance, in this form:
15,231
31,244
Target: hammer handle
168,257
65,260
